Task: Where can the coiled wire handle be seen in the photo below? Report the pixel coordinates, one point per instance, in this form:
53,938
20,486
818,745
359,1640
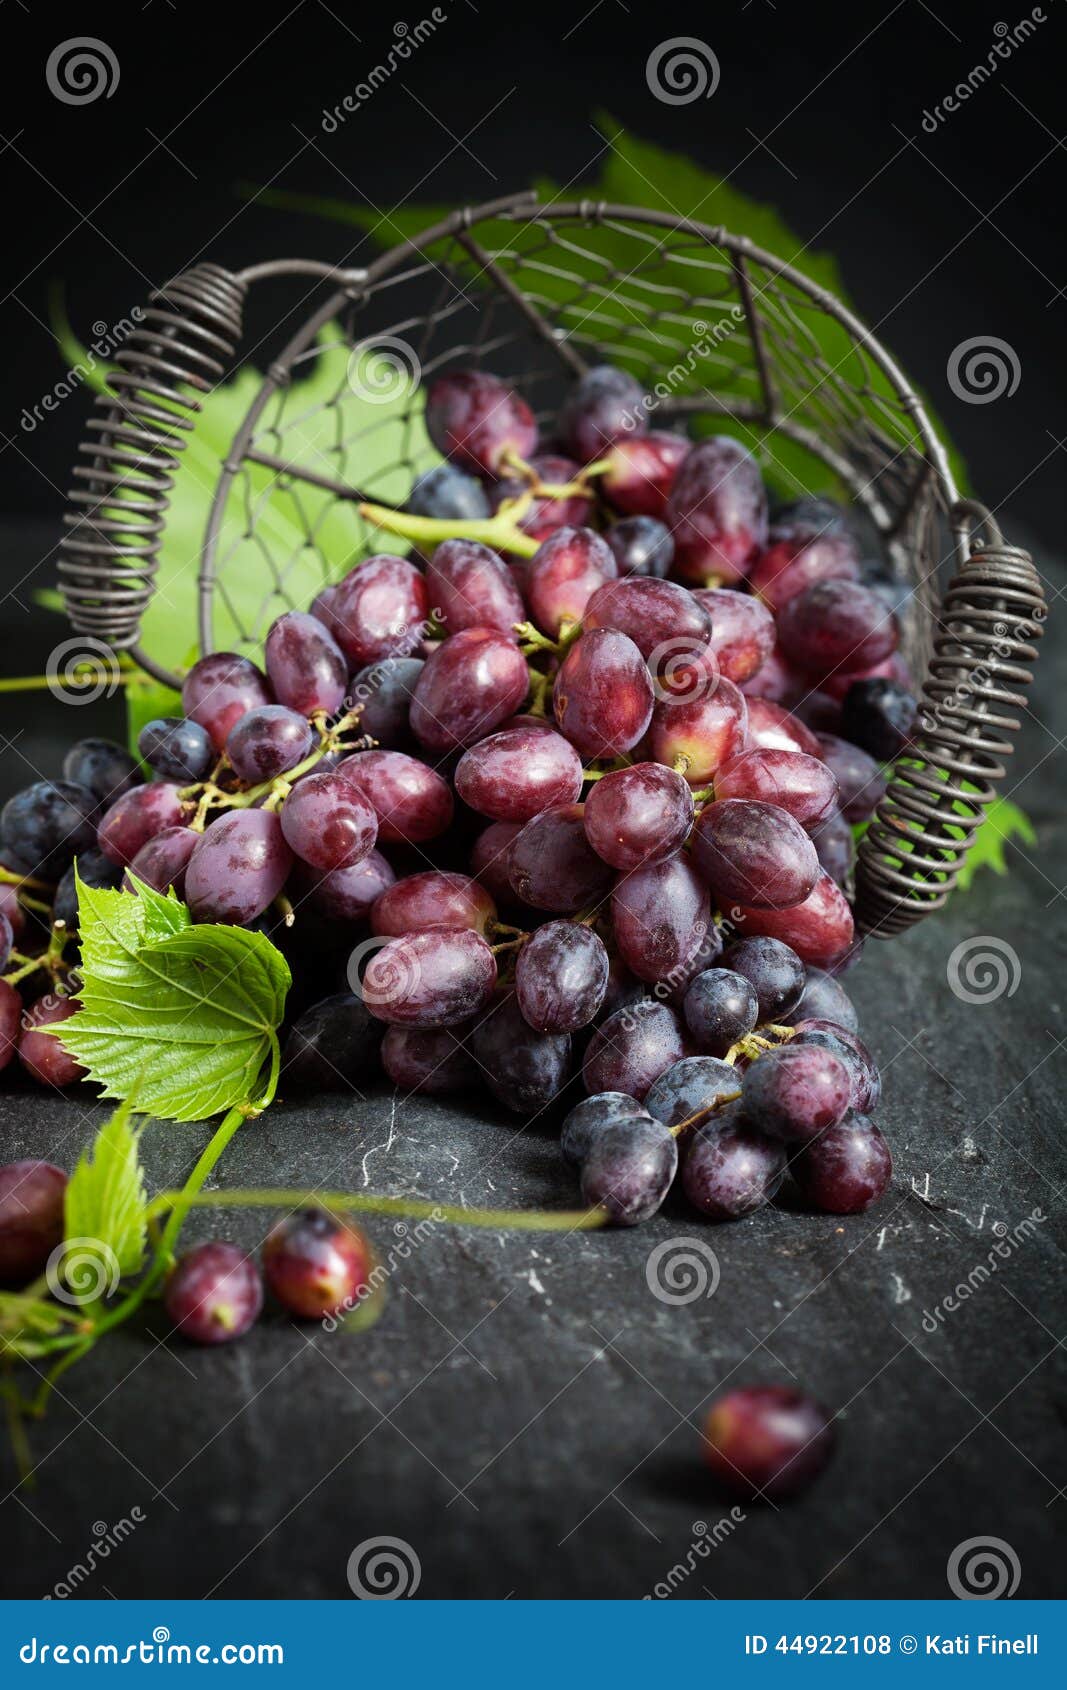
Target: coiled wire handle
991,618
183,345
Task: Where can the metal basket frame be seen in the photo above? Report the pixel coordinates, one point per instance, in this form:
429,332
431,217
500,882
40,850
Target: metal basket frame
974,648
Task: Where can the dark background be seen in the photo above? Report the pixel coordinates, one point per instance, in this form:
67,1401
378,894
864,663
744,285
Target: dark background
544,1373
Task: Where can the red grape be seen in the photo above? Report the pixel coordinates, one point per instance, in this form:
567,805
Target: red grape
305,665
773,728
860,782
470,587
331,1046
742,631
637,815
717,511
162,862
788,566
31,1218
796,1091
379,610
643,471
778,680
630,1050
316,1264
836,626
836,849
561,975
602,696
514,774
267,743
346,894
847,1044
10,1021
489,860
820,929
467,688
754,854
136,818
413,802
42,1055
475,420
237,868
328,823
567,570
695,1086
214,1294
700,733
552,866
803,785
767,1441
823,999
606,405
663,620
430,979
219,689
846,1169
660,914
435,898
730,1170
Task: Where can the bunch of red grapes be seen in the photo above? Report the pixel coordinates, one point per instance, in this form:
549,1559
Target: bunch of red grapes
576,801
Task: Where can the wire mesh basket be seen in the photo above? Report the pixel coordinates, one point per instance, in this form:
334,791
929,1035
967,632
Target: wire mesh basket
720,333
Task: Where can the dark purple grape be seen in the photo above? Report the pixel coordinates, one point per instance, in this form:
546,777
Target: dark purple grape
589,1118
702,954
790,565
470,685
717,511
41,1054
720,1007
219,689
796,1091
431,1060
731,1170
346,894
552,866
823,999
847,1044
767,1441
514,775
660,914
176,748
31,1218
136,818
10,1022
804,786
238,867
820,929
13,911
446,493
810,514
316,1264
696,1085
382,692
631,1049
641,545
305,665
836,850
602,696
106,769
328,823
379,610
413,803
489,858
664,620
754,854
628,1170
881,716
698,734
860,782
214,1294
642,470
435,898
742,631
95,870
47,824
524,1069
478,422
638,815
623,988
836,626
774,971
567,570
471,587
430,979
846,1169
606,405
333,1046
163,861
561,975
268,742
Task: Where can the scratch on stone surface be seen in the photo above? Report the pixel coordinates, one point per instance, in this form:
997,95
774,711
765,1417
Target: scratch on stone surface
386,1146
535,1283
901,1294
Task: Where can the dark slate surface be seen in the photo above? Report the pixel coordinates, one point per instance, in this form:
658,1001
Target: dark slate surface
525,1415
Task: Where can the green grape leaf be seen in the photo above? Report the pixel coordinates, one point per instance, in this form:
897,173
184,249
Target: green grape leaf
181,1017
105,1198
1002,822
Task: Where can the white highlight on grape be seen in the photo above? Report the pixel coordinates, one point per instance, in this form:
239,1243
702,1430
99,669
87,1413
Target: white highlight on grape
383,369
81,670
984,969
384,1569
982,369
983,1569
682,70
82,70
81,1270
682,1270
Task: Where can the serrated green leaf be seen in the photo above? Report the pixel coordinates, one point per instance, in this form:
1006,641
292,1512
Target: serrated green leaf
1003,822
105,1198
183,1017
